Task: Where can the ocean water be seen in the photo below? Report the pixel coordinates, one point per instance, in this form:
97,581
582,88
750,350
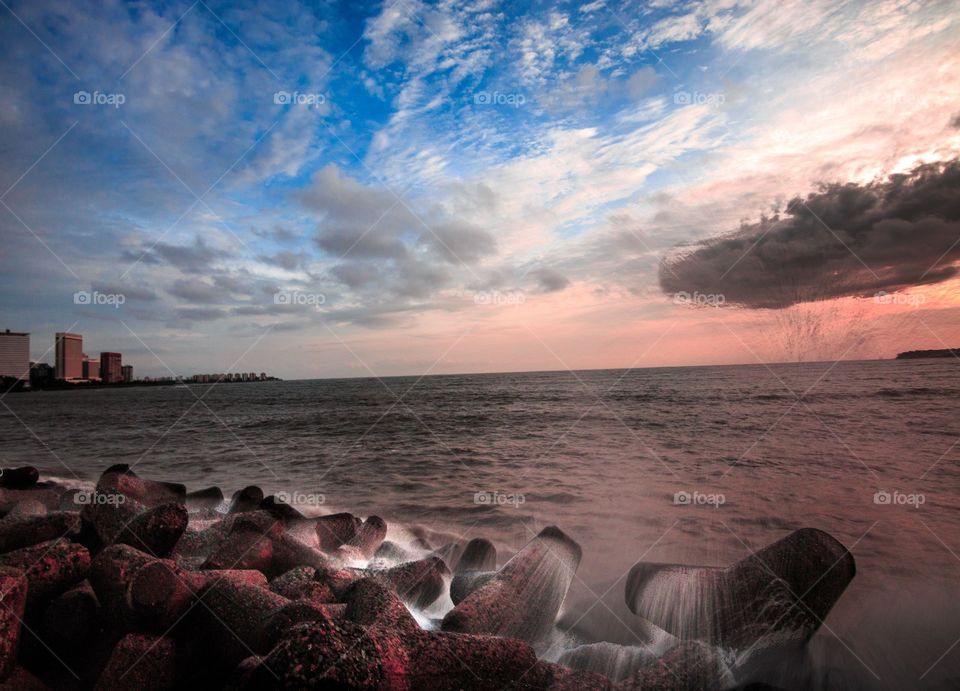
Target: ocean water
608,456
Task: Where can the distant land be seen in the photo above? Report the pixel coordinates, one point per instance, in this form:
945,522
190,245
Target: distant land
915,354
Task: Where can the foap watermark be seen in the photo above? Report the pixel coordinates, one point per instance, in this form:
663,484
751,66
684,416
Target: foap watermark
699,299
297,497
510,298
95,297
300,299
897,498
697,498
298,98
907,299
698,98
499,499
498,98
98,98
96,498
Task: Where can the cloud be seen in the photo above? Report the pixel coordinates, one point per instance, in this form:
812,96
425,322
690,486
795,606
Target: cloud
195,290
196,258
843,240
550,280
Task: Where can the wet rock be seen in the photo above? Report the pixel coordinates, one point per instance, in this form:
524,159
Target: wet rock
299,612
111,573
778,595
29,507
323,655
466,582
156,530
50,567
548,675
50,496
336,530
302,583
246,547
73,618
19,478
616,662
391,553
208,498
523,599
18,531
13,586
370,603
150,493
449,553
690,666
233,622
246,499
338,580
140,663
446,661
289,552
478,555
370,536
281,510
418,583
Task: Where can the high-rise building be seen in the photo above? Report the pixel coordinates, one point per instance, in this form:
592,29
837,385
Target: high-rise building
127,373
91,368
110,368
69,355
14,354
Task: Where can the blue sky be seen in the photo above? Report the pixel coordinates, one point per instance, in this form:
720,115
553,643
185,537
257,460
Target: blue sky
433,186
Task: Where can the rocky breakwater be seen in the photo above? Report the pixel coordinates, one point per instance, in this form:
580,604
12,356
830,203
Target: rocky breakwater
142,585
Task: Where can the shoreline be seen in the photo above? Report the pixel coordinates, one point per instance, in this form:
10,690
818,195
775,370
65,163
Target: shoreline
138,583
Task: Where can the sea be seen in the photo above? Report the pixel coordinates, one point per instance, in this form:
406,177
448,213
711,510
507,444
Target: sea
693,465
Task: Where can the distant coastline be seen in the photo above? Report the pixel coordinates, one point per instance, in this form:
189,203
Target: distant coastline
917,354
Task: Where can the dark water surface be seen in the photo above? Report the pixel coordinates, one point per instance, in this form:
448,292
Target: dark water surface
600,454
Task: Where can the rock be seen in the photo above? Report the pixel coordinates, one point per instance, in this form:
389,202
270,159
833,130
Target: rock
336,530
19,478
18,531
339,580
418,583
449,553
209,498
22,679
323,655
150,493
140,663
156,530
281,510
370,603
232,624
246,499
391,553
616,662
778,595
446,661
13,587
466,582
299,612
523,599
289,553
50,567
690,666
478,555
28,507
48,494
370,536
301,583
246,547
111,573
73,618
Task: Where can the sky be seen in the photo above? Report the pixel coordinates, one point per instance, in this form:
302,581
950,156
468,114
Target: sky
374,189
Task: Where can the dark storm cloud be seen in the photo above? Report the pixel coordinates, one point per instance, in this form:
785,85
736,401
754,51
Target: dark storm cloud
843,240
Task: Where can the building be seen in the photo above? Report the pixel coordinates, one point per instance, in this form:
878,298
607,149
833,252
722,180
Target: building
15,355
69,356
41,374
91,368
111,368
126,372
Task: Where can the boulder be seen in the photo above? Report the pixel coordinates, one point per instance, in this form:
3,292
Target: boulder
13,586
466,582
73,618
156,530
778,595
209,498
478,555
370,536
616,662
523,598
336,530
418,583
301,583
50,568
246,499
140,663
690,666
23,530
19,478
27,507
449,662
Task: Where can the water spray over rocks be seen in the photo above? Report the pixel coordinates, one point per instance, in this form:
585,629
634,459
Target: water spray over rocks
152,587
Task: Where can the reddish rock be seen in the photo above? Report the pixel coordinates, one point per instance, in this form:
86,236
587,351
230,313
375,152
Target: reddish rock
289,553
419,583
446,661
690,666
246,499
336,530
18,531
150,493
28,507
246,547
13,588
50,567
301,583
339,580
22,680
140,663
156,530
371,603
523,599
281,510
19,478
466,582
370,535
